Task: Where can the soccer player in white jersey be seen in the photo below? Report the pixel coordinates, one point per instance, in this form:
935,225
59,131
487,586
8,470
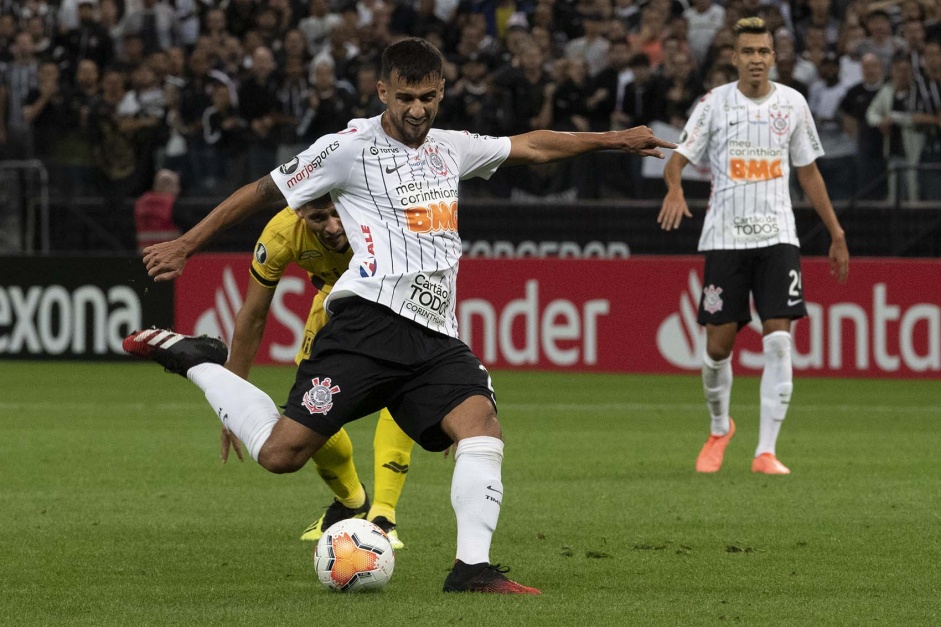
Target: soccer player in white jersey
751,132
392,337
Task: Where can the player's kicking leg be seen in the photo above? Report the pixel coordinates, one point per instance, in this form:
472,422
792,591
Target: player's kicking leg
278,444
393,454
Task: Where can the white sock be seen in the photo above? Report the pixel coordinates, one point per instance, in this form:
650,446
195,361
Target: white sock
776,389
717,385
476,494
243,409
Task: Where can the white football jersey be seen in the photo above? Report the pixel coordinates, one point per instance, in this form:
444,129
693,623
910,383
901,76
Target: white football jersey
399,209
750,148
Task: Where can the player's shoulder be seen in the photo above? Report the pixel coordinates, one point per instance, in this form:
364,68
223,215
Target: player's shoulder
456,138
281,224
719,93
791,95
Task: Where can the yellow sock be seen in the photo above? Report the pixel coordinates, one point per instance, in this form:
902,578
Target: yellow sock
334,463
393,453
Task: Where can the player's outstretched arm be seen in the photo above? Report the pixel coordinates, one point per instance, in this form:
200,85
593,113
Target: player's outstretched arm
165,261
812,183
674,206
546,146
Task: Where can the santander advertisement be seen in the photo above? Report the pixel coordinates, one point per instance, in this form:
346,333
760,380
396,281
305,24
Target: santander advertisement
621,315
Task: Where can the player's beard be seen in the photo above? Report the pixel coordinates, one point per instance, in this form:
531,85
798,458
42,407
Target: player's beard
414,134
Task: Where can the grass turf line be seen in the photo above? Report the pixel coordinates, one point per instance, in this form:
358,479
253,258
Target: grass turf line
115,509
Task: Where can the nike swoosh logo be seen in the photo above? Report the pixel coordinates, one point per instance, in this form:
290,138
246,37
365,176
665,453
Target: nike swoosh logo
734,123
390,170
791,303
493,490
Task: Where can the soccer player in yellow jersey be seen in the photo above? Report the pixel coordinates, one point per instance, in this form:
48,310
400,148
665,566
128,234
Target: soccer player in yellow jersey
314,239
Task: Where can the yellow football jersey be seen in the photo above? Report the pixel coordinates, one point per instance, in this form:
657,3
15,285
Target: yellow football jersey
286,239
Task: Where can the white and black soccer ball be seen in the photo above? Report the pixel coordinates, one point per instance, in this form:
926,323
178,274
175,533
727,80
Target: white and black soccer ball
354,555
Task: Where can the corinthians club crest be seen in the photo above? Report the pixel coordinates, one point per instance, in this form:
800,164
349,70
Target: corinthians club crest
711,299
319,398
437,163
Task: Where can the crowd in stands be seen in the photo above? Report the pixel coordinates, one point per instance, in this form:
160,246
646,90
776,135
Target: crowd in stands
107,92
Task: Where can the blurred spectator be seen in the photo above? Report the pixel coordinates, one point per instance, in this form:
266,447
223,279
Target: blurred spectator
268,27
612,81
7,37
821,15
141,116
802,70
683,87
294,47
88,40
155,22
341,52
175,153
785,65
115,155
153,211
259,106
293,93
649,38
892,111
929,103
240,17
643,103
75,161
870,162
317,25
524,89
45,111
42,44
214,27
224,130
880,40
913,33
19,78
826,94
468,103
704,18
329,106
367,103
592,47
131,53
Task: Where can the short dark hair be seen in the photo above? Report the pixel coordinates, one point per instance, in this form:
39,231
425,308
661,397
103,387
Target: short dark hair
751,26
413,60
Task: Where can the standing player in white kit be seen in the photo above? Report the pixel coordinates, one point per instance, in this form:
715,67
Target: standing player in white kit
392,338
751,132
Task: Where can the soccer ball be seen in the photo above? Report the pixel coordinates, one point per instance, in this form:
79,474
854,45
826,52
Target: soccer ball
354,555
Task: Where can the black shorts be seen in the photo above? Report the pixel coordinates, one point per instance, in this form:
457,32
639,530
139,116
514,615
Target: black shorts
367,357
772,275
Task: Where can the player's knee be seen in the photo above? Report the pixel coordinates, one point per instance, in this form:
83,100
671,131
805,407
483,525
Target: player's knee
777,345
281,461
474,417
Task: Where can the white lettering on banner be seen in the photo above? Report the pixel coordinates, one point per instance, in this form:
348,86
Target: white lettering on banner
681,341
219,321
52,319
502,249
559,321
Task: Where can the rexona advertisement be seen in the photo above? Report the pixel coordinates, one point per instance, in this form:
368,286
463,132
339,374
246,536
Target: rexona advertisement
623,315
76,308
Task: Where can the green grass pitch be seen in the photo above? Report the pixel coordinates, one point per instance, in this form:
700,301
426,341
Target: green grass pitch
115,509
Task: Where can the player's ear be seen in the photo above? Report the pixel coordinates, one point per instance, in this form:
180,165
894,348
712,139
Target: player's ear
383,92
441,90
